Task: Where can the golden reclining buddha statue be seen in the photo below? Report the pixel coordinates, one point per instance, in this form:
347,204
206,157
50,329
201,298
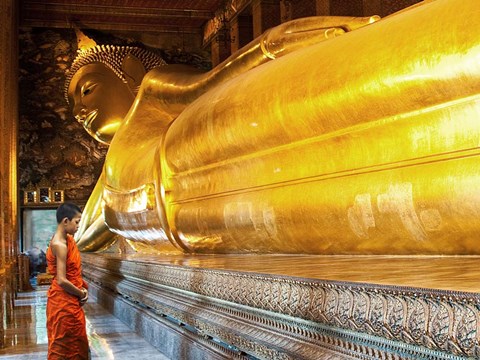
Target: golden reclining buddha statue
325,135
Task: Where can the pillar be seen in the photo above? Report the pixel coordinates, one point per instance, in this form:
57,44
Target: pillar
220,48
235,34
8,158
265,15
241,30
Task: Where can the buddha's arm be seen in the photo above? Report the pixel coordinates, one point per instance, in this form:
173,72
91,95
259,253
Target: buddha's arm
176,86
93,234
296,34
282,40
96,237
93,208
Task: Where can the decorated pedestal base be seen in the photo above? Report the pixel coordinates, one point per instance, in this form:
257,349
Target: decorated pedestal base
279,307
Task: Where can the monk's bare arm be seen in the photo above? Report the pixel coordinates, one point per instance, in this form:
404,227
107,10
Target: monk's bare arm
60,251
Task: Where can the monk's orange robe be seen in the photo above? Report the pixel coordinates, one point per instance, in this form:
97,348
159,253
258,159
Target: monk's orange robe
66,327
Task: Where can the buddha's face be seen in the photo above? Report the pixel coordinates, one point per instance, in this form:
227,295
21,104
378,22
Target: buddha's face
100,100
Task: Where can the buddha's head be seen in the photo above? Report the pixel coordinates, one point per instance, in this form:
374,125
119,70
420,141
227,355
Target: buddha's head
102,83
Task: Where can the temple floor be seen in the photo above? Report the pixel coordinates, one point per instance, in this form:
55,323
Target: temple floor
454,273
109,338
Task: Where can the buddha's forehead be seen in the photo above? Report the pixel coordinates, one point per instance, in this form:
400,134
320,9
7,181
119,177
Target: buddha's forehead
97,72
110,58
93,70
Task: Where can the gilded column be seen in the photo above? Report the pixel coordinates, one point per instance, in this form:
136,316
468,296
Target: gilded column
219,49
266,14
286,10
8,156
241,30
235,35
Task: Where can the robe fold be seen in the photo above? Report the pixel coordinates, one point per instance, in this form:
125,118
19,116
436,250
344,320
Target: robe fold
66,327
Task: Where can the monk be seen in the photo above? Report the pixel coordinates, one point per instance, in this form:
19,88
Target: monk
67,335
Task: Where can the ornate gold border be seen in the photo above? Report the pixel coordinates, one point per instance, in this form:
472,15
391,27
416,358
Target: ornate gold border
29,196
44,194
57,196
442,322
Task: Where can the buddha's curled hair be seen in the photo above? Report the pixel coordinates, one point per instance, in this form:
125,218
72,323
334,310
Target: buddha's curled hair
112,56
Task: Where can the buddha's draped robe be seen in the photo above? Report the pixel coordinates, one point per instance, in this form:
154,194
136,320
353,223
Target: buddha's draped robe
67,336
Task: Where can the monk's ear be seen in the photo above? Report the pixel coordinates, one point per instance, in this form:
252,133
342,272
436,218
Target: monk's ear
65,221
134,71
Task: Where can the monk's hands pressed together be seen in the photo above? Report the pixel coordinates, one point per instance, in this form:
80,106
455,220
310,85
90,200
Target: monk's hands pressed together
84,298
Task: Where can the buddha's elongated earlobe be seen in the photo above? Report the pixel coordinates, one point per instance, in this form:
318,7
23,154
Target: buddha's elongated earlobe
134,71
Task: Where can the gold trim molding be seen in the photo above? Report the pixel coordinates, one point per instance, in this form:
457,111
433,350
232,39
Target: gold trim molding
257,313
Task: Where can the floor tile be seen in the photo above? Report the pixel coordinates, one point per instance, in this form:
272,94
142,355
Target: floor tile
109,338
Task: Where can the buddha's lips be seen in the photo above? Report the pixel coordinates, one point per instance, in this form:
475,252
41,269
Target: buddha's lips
89,119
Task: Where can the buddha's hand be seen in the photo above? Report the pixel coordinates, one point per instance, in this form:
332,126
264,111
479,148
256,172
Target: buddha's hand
93,234
299,33
97,237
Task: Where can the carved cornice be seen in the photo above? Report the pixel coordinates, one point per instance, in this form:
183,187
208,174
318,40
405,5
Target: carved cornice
348,317
223,15
237,327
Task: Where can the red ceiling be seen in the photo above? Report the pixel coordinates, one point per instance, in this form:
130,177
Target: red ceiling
168,16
